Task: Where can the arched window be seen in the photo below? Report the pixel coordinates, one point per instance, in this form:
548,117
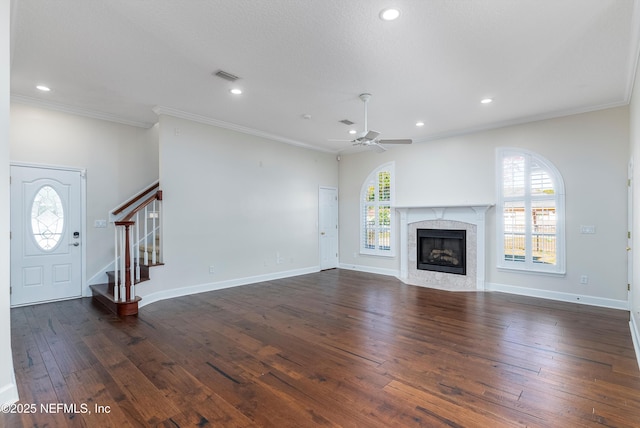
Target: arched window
529,212
376,213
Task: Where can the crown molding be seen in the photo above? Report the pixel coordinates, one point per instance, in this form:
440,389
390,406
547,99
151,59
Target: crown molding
521,120
93,114
168,111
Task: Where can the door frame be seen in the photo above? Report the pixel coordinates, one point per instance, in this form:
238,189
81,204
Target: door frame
83,212
337,212
630,184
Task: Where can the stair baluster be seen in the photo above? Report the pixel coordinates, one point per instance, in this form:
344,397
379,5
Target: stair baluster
116,291
132,249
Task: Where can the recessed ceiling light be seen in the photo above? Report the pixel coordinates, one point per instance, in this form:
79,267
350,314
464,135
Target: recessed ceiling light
389,14
352,131
486,100
43,88
420,123
236,91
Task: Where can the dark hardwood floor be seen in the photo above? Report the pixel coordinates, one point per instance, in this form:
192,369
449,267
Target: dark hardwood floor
337,348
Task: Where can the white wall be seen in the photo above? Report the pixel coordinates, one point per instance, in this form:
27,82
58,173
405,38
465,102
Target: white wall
234,201
590,150
8,389
120,160
634,126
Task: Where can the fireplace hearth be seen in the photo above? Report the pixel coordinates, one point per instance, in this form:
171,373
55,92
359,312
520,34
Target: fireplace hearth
442,250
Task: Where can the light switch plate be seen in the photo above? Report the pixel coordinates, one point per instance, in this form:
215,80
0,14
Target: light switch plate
588,230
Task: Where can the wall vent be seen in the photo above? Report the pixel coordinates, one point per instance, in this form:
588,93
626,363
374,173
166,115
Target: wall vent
347,122
226,76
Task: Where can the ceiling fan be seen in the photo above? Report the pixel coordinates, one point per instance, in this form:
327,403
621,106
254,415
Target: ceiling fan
369,137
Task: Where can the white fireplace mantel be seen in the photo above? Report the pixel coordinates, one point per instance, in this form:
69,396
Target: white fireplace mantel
469,213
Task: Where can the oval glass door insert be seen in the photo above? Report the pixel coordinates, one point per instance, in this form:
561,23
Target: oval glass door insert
47,218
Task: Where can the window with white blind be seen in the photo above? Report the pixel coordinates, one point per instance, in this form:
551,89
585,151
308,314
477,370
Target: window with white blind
529,212
376,214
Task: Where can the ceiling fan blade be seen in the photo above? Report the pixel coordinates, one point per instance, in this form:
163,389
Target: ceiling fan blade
371,144
397,141
333,139
371,135
377,147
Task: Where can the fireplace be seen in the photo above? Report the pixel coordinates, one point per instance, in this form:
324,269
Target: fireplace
442,250
470,218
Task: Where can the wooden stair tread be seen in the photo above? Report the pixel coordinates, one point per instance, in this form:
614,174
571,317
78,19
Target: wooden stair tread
112,278
103,295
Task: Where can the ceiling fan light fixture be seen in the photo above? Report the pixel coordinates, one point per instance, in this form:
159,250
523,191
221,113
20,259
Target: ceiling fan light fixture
236,91
486,100
419,123
389,14
43,88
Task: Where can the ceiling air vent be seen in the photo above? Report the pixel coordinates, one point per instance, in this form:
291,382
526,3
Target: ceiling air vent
347,122
226,76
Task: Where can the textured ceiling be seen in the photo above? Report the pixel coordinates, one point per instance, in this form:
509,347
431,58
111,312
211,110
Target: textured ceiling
119,59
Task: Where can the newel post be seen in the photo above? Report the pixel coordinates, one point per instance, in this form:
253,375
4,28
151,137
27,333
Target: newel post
127,258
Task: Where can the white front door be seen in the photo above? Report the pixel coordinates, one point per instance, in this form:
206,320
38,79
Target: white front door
46,234
328,227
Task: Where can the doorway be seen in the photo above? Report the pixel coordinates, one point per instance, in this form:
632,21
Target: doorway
47,234
328,227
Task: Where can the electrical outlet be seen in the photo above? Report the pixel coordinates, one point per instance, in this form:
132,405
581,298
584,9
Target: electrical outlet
212,269
584,279
100,224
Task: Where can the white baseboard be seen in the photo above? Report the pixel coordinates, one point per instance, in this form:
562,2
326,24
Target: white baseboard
369,269
101,276
212,286
635,336
9,392
98,278
560,296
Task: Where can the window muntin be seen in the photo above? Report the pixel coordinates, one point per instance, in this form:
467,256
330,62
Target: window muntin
377,215
47,218
530,213
514,236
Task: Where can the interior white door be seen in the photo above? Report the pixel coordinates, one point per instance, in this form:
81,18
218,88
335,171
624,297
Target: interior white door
46,241
328,227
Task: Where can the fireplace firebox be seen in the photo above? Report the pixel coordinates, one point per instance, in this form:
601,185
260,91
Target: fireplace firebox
442,250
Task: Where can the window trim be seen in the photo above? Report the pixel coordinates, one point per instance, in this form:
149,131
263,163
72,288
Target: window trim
373,176
559,197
